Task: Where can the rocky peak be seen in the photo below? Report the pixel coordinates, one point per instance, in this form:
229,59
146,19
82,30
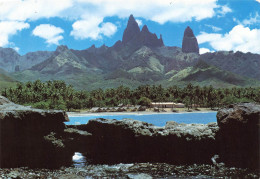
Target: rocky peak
189,42
92,49
131,30
149,39
118,44
61,48
188,32
145,29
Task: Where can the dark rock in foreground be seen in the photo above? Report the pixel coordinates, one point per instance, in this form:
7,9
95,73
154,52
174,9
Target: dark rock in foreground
239,134
31,137
135,141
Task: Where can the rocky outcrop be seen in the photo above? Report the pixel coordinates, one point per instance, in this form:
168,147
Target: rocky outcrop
131,30
32,137
234,141
239,134
134,37
60,49
148,39
189,42
135,141
38,138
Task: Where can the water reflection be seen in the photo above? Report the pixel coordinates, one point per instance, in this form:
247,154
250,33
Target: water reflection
79,160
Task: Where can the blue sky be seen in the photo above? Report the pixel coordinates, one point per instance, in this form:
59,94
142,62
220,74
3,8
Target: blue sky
33,25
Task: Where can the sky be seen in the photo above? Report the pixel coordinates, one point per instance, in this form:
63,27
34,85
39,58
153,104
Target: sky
33,25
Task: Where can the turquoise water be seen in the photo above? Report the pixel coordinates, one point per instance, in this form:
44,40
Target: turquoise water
156,119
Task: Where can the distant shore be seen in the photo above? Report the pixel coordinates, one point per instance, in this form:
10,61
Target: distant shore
148,112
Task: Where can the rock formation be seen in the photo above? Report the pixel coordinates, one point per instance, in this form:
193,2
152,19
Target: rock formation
235,139
148,39
38,138
131,30
31,137
135,141
60,49
189,42
239,135
134,37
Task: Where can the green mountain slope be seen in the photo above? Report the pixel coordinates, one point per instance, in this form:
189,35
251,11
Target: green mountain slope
203,74
5,80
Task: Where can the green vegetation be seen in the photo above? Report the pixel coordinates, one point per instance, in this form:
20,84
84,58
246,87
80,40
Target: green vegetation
58,95
5,80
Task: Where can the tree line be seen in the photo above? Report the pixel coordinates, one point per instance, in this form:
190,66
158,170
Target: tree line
59,95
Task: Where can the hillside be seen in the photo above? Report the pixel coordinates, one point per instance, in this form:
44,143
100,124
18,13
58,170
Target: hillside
5,80
204,74
244,64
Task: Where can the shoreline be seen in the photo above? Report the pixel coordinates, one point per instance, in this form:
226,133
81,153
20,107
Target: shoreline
82,114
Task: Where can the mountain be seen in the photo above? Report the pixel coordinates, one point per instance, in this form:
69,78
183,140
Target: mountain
244,64
204,74
11,61
140,58
9,58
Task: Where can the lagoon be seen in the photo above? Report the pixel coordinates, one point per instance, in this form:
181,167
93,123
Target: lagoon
155,119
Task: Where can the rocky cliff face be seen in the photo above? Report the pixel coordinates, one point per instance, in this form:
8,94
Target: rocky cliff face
239,135
31,137
135,141
189,42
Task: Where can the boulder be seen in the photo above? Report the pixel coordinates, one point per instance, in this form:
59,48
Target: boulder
32,137
239,134
189,42
129,140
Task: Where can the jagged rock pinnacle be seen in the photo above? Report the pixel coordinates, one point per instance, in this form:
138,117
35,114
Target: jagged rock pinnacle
189,42
145,29
131,30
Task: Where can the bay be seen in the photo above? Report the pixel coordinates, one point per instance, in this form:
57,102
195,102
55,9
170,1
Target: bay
155,119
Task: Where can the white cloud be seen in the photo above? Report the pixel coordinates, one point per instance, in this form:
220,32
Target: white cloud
108,29
50,33
82,12
139,22
223,10
92,28
205,50
258,1
23,10
240,38
252,20
158,11
9,28
214,28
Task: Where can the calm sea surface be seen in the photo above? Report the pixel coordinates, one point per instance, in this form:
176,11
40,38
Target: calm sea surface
156,119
